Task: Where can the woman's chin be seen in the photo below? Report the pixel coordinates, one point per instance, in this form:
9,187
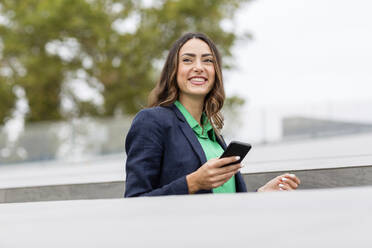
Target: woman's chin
198,94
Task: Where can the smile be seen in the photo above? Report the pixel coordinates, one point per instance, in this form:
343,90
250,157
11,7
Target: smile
198,80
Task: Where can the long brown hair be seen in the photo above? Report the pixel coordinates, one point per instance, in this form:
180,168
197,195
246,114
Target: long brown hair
166,90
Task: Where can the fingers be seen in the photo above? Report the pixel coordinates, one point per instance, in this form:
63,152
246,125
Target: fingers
210,175
231,168
292,177
221,182
285,182
289,182
225,176
283,186
218,184
224,161
227,169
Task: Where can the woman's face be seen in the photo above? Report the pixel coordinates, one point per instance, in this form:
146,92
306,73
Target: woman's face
196,74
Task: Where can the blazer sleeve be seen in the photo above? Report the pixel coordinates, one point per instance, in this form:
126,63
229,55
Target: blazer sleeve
144,146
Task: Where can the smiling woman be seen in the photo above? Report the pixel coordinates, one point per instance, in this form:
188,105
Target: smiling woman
195,75
173,146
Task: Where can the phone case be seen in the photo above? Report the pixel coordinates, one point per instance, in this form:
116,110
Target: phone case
236,148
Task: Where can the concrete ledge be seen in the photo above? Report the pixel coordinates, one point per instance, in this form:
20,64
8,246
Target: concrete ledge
311,179
63,192
317,178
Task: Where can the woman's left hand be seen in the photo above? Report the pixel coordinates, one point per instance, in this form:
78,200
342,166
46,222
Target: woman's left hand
282,182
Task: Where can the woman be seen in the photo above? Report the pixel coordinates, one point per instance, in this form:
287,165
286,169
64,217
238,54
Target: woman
173,146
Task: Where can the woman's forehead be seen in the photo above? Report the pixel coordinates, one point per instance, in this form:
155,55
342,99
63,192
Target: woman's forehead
195,46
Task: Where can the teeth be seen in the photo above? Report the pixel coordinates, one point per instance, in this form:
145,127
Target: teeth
198,79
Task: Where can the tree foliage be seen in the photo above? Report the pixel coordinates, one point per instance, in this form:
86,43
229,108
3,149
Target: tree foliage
46,47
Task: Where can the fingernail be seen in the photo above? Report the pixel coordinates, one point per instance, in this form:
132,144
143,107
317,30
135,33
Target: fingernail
292,175
281,189
284,179
237,157
281,185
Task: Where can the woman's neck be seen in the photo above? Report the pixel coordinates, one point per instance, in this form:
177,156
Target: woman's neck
194,106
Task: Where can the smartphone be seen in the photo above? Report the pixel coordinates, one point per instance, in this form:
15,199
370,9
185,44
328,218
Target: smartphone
236,148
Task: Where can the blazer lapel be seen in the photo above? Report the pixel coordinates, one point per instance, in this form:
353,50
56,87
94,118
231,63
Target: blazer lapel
190,135
221,141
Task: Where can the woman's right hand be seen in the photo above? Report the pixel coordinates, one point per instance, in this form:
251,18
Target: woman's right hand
210,175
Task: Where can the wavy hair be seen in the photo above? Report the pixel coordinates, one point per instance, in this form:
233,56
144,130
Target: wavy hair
166,90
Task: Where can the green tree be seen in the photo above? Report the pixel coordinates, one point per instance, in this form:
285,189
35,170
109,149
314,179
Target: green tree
46,45
7,99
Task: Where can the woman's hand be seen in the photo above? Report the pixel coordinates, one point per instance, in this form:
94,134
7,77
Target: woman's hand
210,175
282,182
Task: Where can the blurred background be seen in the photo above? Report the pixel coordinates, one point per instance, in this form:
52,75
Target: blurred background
74,72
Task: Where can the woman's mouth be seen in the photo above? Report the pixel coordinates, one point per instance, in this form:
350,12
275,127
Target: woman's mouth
198,80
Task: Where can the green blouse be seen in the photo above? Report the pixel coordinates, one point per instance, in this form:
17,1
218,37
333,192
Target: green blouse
211,147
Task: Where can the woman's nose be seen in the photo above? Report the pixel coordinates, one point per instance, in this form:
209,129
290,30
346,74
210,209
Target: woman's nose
198,66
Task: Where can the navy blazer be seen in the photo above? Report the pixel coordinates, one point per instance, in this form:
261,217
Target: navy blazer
162,149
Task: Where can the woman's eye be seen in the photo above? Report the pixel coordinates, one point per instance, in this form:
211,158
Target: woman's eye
209,60
186,60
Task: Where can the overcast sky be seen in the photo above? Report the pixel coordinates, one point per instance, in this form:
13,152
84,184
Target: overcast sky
304,51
